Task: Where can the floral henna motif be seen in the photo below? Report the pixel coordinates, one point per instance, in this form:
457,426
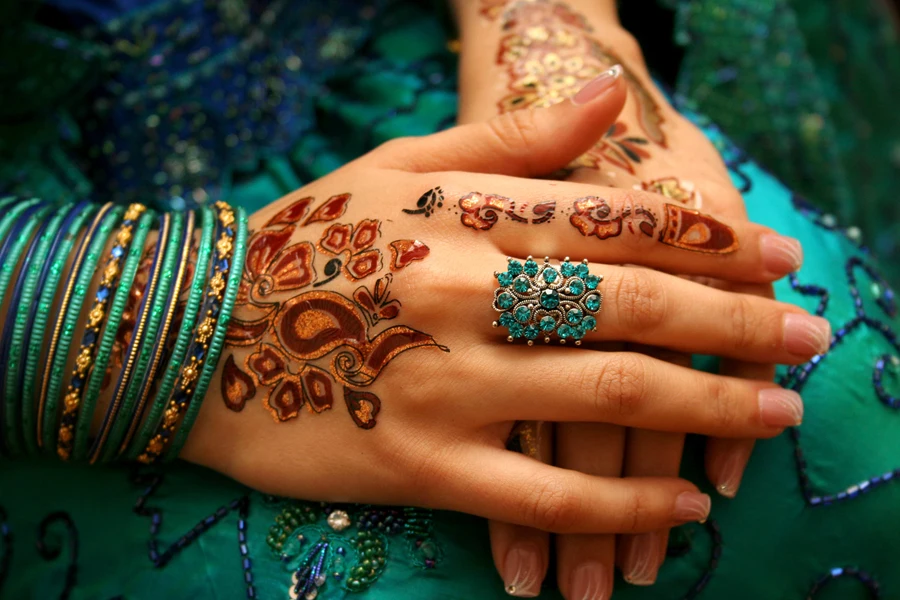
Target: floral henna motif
592,216
681,191
290,335
354,243
427,202
549,55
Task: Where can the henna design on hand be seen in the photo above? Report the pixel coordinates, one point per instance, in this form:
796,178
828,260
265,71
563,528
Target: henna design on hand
549,55
293,332
692,230
681,191
481,211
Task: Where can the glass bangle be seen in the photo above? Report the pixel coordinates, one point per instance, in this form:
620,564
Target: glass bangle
142,387
198,285
48,267
191,366
230,248
18,322
138,352
86,259
104,318
17,236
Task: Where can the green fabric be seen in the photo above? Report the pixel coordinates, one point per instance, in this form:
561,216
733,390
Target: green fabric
775,543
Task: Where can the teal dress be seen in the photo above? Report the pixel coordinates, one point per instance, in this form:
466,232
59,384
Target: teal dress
818,513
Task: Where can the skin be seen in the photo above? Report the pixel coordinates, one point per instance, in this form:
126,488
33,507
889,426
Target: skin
411,457
684,151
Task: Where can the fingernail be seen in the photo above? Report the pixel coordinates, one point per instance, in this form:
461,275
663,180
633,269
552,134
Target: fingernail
779,407
692,506
589,582
731,470
780,254
597,86
640,565
806,334
522,572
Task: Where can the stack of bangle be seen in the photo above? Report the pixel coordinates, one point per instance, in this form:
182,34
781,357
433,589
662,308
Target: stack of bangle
166,367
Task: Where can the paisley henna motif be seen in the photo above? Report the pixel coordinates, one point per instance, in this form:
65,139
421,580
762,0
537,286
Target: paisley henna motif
692,230
237,386
404,252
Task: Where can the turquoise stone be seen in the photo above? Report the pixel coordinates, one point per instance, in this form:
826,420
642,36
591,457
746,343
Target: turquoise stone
532,332
549,299
582,270
577,333
550,274
567,268
515,267
531,268
505,279
521,284
548,323
592,302
565,331
506,319
523,313
589,323
516,330
574,316
505,300
576,287
592,281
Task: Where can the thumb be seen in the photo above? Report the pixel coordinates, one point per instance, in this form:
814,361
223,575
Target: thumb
523,143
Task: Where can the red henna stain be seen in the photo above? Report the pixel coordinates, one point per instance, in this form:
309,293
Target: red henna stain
403,252
330,210
692,230
363,407
237,386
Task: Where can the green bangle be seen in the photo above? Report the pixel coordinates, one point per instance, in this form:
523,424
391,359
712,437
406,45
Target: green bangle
79,280
140,351
42,312
235,255
19,237
90,367
198,285
161,343
23,318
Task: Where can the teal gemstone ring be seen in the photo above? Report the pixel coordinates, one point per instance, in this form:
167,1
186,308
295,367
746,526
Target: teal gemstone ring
542,301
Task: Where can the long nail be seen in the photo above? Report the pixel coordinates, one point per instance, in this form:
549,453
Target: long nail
595,87
806,334
589,582
522,572
730,470
780,254
642,558
779,407
692,506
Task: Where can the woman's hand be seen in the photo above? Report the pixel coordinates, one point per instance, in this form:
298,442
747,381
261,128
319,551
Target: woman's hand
372,287
546,51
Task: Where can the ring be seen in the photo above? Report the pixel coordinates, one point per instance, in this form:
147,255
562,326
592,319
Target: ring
540,300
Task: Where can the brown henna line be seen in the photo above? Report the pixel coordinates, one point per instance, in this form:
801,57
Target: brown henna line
319,325
695,231
433,198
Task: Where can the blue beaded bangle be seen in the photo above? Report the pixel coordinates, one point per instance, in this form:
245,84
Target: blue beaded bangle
23,218
69,310
44,292
161,342
12,344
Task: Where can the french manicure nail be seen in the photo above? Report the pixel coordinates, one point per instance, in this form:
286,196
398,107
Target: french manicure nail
780,254
692,506
589,582
779,407
522,572
597,86
641,561
806,334
731,470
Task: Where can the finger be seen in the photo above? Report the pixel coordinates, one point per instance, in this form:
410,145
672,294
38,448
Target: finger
645,306
521,554
513,488
609,225
633,390
726,459
649,454
527,143
585,562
